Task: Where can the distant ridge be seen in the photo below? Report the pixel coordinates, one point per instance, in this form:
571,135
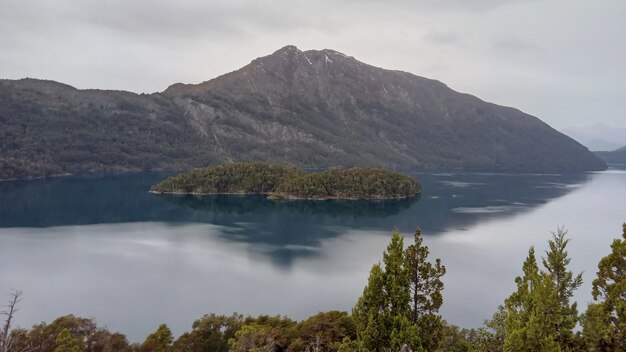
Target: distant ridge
308,108
615,157
597,136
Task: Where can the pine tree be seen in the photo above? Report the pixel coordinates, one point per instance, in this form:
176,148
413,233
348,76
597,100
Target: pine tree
542,329
604,323
159,341
398,329
369,313
519,305
405,333
395,277
530,322
540,316
399,305
597,332
382,314
425,288
565,283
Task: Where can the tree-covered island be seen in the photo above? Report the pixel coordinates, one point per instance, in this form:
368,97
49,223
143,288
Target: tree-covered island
288,182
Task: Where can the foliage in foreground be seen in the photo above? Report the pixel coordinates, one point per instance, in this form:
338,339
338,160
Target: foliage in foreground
604,323
399,305
398,311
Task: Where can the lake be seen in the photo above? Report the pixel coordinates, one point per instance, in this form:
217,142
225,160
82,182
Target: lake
101,246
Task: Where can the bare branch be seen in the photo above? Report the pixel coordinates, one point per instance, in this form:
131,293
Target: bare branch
11,309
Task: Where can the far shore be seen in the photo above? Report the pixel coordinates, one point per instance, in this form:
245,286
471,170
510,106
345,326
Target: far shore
275,196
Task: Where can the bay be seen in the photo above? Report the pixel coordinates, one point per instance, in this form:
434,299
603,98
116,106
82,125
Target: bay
101,246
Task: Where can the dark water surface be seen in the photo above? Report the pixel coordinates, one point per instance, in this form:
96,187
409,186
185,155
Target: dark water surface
102,247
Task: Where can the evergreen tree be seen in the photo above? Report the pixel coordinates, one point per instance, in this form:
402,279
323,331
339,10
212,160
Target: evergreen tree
348,345
530,322
323,332
255,338
395,277
405,334
604,323
399,305
209,333
65,342
425,288
497,327
519,305
369,313
539,314
425,279
565,283
490,338
597,332
158,341
542,329
382,313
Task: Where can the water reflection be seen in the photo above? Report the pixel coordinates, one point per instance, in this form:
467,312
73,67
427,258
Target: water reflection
245,205
285,230
279,230
194,255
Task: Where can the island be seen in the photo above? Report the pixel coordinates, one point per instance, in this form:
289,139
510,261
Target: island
279,181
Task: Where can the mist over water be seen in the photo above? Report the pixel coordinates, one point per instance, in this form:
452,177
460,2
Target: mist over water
103,247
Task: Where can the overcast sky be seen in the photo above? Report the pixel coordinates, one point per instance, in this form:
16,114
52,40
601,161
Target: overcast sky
563,61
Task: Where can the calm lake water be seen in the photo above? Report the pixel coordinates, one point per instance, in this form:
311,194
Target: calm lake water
102,247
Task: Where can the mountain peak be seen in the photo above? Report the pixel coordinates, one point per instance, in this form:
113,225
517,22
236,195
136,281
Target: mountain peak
291,53
322,98
329,52
286,50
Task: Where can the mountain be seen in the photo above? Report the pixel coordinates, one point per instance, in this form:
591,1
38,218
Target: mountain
598,137
312,109
51,128
615,157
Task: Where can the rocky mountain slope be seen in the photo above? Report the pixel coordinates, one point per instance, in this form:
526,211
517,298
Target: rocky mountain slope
311,109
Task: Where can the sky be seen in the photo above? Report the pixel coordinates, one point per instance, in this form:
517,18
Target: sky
563,61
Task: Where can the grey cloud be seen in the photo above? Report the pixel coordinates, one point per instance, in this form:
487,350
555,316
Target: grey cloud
557,59
189,19
186,19
515,45
444,38
447,5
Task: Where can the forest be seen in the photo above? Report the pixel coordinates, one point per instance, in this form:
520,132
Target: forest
284,181
397,311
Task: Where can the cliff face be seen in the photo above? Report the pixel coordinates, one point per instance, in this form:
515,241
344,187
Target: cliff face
311,108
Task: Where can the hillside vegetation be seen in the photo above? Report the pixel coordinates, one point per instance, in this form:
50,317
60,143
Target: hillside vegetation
48,128
241,178
282,181
357,183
